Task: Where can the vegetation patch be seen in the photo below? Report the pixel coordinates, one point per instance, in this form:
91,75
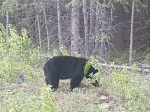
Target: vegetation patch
121,91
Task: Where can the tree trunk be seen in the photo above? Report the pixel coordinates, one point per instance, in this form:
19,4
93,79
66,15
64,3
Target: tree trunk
46,27
149,17
100,28
85,13
149,13
92,16
131,35
38,26
97,28
103,30
59,23
39,31
75,27
91,26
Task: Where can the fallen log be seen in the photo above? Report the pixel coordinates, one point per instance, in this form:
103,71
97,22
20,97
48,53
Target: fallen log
141,69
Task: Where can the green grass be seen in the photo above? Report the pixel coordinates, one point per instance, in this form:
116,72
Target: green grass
126,91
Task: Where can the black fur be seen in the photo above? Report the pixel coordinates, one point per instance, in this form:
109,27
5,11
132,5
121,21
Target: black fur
66,67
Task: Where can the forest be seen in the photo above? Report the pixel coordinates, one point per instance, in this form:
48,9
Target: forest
113,34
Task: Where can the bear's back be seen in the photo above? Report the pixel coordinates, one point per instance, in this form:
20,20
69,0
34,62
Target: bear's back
68,62
66,65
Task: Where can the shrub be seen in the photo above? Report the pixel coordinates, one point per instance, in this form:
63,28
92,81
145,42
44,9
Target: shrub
17,55
47,99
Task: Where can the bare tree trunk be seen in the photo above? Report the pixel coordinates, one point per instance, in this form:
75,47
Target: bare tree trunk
7,24
97,28
103,30
149,13
100,28
111,21
59,23
102,49
92,14
131,35
85,11
39,31
75,27
38,25
47,32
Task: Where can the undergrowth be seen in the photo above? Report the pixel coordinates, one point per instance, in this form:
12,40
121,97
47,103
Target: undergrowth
127,90
130,89
27,99
17,55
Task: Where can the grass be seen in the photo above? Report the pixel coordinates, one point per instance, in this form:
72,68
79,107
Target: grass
124,94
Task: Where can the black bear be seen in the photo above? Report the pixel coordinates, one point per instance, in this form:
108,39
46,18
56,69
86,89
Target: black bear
67,67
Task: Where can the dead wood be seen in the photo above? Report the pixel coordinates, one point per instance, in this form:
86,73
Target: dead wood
145,68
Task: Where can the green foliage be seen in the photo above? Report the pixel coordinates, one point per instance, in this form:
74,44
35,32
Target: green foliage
126,86
118,61
9,6
94,62
54,53
77,54
147,58
47,100
9,69
86,67
134,53
120,77
64,51
100,109
20,99
17,55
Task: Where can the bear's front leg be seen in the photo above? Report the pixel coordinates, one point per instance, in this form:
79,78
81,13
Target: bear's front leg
75,81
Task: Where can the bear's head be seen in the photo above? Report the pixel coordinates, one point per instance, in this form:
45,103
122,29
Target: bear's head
89,75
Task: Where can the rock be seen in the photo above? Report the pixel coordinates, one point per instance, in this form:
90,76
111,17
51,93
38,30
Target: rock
103,97
105,105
